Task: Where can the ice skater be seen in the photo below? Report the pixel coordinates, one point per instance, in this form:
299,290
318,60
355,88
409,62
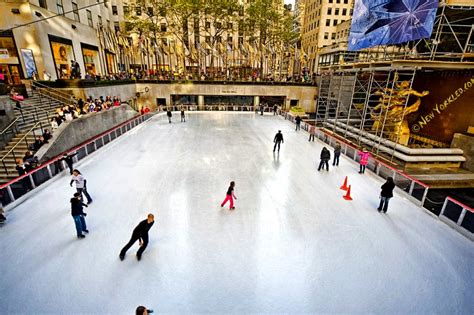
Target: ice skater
337,154
78,215
142,310
183,116
298,123
81,184
168,113
364,160
312,132
275,110
325,157
230,196
278,140
386,194
140,234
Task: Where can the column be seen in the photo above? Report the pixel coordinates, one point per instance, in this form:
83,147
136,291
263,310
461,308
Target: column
201,102
256,102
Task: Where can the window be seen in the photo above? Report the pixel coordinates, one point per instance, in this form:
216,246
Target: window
241,41
59,5
208,25
334,23
76,12
208,39
114,10
138,11
333,35
328,22
344,11
150,11
326,35
337,11
346,1
330,1
338,1
163,27
126,10
89,18
116,27
43,4
329,11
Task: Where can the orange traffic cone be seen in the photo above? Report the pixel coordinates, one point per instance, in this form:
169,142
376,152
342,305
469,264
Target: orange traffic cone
344,186
348,194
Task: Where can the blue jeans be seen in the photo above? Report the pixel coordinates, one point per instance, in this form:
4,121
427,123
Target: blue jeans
383,204
336,159
84,191
80,224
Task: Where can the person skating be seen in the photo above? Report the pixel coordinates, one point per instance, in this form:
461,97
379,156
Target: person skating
312,132
142,310
81,184
78,215
140,234
386,194
168,113
68,158
275,109
298,123
364,160
337,154
278,140
325,157
183,116
230,196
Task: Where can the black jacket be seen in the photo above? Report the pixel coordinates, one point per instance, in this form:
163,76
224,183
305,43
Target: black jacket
387,190
298,119
278,137
76,207
141,230
325,155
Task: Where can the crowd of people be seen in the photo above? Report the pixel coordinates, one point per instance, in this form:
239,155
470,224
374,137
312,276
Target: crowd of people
81,107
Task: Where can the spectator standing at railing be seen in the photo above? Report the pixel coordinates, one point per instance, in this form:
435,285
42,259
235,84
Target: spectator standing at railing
337,154
183,116
364,160
78,215
386,194
325,157
312,132
68,158
298,123
278,140
21,169
81,184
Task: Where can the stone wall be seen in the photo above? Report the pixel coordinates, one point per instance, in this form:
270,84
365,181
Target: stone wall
73,133
466,143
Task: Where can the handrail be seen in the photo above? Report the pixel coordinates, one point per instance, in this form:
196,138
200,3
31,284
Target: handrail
44,86
18,142
56,97
8,127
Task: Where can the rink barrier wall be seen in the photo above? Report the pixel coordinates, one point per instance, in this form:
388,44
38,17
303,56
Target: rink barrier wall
454,213
21,186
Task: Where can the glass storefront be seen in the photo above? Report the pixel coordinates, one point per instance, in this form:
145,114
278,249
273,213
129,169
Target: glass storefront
62,54
91,60
9,61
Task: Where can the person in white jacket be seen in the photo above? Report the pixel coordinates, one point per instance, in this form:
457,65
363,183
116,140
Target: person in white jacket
81,184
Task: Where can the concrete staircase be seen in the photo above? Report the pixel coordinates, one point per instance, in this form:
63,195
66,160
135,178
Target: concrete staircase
35,116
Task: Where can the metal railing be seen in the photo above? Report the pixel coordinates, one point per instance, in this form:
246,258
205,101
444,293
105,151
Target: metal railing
23,139
453,211
46,91
458,215
21,185
11,128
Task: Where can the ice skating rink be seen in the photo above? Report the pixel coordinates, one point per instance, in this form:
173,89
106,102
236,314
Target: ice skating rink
292,245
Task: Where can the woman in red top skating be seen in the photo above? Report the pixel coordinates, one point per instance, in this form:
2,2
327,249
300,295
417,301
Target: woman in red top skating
230,196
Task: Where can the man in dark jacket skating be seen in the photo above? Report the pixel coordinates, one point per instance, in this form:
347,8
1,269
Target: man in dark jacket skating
278,140
140,234
386,194
325,157
78,215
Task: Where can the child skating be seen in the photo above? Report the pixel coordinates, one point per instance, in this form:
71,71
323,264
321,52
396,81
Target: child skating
230,196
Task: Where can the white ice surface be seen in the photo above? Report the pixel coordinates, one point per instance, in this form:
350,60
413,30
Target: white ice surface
293,244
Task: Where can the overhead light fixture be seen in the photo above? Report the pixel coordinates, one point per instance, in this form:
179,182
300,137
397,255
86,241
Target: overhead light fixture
38,14
16,11
73,26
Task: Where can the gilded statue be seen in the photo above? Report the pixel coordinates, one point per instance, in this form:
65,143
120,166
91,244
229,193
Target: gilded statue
391,108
